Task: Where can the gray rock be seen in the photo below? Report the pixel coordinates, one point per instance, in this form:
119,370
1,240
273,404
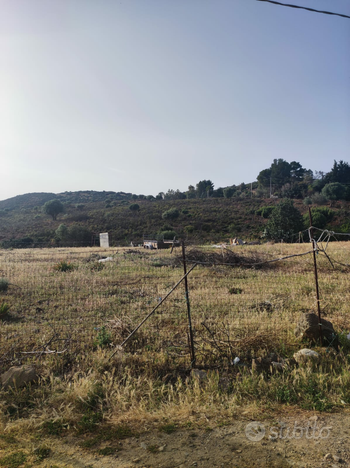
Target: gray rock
306,356
18,376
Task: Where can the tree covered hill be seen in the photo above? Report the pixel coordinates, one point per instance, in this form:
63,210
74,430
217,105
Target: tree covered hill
126,219
202,213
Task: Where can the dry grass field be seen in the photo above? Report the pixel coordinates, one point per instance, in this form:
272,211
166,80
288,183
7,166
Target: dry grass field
65,313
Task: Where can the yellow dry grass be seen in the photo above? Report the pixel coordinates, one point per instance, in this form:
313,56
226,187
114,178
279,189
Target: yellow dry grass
67,323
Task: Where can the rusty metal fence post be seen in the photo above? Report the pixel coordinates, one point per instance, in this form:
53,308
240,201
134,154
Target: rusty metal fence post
314,245
193,356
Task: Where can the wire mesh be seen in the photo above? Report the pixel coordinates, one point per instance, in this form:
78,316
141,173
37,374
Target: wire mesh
67,301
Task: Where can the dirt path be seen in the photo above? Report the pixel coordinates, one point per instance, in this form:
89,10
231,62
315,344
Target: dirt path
322,441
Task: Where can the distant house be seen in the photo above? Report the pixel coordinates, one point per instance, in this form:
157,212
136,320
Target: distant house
150,242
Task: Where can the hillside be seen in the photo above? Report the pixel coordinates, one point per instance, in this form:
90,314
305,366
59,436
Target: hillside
23,222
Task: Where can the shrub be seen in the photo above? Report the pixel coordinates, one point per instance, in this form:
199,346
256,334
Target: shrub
284,222
79,235
64,266
168,235
4,308
334,191
97,266
344,342
318,199
42,452
307,201
189,229
265,211
173,213
134,207
103,338
62,232
14,460
168,428
4,284
320,217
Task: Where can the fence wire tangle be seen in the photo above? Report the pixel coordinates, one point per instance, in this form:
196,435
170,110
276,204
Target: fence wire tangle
62,302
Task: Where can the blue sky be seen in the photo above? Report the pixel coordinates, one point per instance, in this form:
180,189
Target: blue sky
144,96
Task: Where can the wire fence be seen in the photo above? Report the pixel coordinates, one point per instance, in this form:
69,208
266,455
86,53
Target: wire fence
59,303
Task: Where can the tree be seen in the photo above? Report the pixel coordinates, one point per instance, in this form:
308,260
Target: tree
264,177
218,193
204,188
296,171
284,222
191,193
340,172
229,191
282,173
174,195
334,191
53,208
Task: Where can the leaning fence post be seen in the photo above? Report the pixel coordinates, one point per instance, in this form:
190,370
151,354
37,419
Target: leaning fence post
314,245
193,356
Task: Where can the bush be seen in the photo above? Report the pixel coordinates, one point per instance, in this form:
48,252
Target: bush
4,284
265,211
334,191
4,308
320,217
173,213
318,199
103,338
307,201
21,243
344,341
285,222
62,232
79,235
64,266
168,235
134,207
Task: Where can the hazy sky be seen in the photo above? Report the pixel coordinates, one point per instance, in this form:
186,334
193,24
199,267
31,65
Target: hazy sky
146,95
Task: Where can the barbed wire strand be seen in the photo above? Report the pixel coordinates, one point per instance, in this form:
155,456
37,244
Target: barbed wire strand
305,8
